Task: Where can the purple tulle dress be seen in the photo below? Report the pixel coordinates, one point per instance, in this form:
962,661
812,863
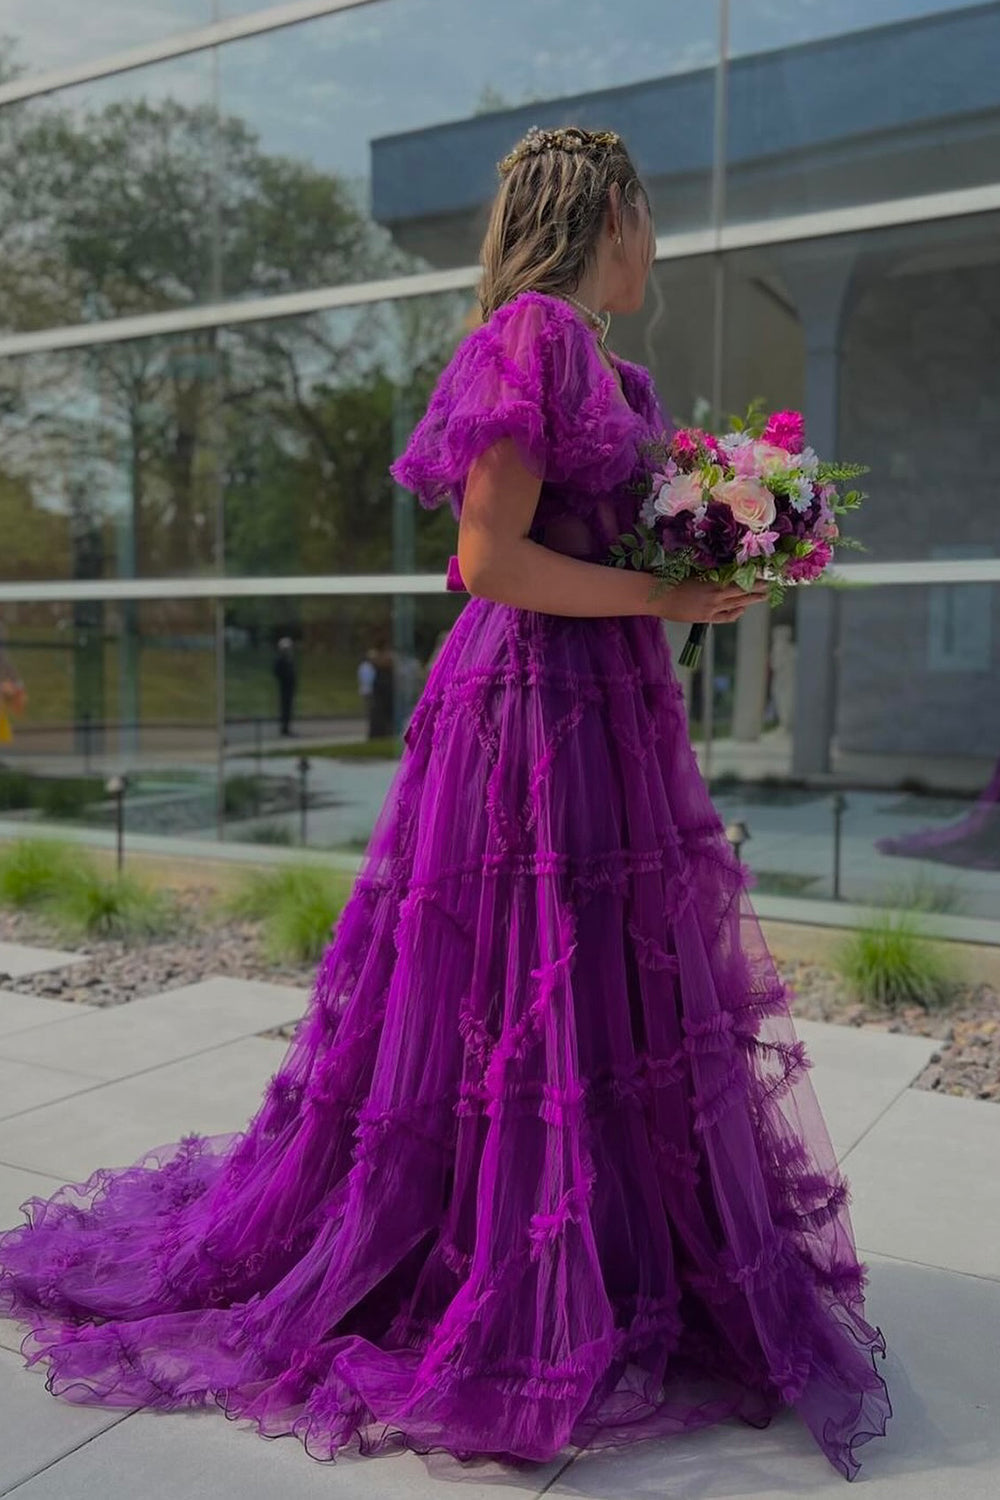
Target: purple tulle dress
542,1165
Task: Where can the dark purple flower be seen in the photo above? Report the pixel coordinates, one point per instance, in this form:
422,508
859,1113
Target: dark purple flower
677,531
718,535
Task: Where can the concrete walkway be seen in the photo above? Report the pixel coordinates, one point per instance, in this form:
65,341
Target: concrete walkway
84,1088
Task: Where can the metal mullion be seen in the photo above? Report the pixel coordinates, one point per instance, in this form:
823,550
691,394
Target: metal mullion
182,44
823,224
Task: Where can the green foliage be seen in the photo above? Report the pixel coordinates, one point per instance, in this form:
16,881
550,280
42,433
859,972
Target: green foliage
889,964
923,894
32,871
753,421
15,790
386,749
270,833
297,905
53,796
92,904
241,796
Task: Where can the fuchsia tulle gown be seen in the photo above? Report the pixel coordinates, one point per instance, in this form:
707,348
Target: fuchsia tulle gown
543,1165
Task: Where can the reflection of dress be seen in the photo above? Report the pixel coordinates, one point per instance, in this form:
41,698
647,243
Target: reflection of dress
973,842
542,1164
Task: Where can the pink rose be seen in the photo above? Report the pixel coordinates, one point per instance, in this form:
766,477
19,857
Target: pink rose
683,492
768,458
750,501
786,429
805,569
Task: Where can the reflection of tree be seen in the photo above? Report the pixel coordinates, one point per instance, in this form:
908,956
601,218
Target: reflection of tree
142,207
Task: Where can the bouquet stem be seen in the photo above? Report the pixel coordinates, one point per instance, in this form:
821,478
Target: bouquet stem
691,652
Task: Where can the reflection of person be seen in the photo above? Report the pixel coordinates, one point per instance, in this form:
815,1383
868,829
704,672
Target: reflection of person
366,680
381,706
12,695
589,1183
287,675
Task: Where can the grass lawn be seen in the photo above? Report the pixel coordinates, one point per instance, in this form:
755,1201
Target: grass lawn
178,686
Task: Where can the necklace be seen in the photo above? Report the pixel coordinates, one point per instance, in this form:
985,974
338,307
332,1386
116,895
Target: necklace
600,322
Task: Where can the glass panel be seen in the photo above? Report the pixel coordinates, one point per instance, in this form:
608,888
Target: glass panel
58,33
125,460
886,341
906,690
360,145
109,460
111,688
109,198
858,102
298,661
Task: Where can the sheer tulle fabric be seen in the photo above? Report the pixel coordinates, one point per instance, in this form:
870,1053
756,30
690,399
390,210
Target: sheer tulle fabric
542,1164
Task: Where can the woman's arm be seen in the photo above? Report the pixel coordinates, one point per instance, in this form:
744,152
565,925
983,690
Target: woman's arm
500,562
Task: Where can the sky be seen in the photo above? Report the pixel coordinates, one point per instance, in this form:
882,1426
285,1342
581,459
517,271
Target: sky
321,91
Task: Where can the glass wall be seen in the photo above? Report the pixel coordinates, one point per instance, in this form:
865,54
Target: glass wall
859,102
261,447
339,164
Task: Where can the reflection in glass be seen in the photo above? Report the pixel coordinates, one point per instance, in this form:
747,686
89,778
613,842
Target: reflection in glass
914,749
142,459
43,36
856,103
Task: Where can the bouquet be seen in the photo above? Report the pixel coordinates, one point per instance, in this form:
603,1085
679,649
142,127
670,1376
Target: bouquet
753,503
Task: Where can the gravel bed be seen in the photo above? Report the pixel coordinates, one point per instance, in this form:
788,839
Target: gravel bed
114,972
967,1062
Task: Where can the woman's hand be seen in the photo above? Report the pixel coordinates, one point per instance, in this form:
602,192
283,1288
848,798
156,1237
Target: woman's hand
697,601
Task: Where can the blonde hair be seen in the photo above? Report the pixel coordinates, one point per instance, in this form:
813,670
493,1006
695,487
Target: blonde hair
546,217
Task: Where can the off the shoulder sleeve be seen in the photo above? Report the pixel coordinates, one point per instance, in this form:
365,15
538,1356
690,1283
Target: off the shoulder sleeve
531,374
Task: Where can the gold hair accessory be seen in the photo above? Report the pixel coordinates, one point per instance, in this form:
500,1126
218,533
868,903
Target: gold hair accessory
569,138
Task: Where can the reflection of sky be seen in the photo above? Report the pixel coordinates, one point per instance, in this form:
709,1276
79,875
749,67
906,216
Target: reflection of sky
323,90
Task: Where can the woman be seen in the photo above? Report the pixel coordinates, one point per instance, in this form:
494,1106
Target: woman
542,1165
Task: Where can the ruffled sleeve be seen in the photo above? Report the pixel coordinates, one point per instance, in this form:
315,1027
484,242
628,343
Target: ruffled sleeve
531,374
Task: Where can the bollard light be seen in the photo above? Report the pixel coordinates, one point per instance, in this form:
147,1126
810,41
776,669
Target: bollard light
116,787
737,834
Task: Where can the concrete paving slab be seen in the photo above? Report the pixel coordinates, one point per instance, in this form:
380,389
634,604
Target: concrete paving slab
858,1072
21,1012
199,1455
216,1092
116,1041
24,1086
38,1430
926,1183
17,959
943,1439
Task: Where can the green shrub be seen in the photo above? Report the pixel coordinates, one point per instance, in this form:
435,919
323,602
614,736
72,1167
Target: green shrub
91,904
297,905
33,871
67,796
381,749
15,790
924,894
889,964
241,796
268,833
53,796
